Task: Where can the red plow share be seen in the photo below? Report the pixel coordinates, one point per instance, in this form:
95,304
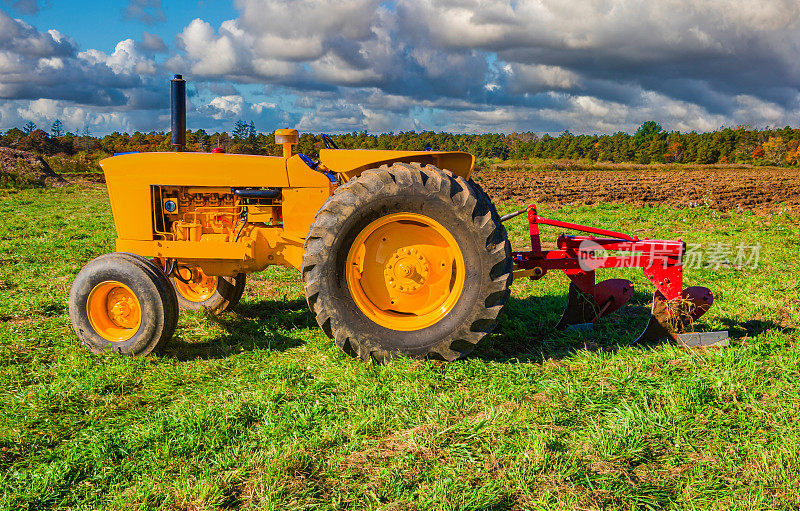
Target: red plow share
674,308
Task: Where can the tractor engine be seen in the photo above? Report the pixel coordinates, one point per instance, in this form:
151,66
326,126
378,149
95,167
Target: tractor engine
182,213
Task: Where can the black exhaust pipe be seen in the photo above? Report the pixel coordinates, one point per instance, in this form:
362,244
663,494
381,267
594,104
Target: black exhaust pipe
178,100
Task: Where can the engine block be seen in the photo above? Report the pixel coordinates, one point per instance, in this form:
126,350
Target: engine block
182,213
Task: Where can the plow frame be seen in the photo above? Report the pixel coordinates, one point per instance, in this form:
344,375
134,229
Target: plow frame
674,308
661,260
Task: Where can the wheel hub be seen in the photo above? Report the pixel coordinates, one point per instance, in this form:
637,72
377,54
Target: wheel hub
114,311
199,287
121,309
406,271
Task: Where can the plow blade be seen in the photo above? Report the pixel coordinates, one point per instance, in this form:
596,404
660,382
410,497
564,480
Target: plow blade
583,308
670,318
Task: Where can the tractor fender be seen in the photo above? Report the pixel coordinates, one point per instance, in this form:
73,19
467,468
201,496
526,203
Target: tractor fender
350,163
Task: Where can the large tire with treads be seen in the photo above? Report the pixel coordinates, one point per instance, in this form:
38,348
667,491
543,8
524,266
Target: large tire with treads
407,260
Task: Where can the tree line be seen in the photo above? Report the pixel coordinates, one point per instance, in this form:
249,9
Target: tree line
649,144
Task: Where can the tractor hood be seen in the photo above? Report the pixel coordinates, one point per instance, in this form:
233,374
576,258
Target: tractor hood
351,162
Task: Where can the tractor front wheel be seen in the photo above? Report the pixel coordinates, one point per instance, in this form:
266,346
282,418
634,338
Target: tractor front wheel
123,303
196,290
407,260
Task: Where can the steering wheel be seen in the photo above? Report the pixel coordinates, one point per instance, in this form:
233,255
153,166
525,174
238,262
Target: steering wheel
329,144
308,160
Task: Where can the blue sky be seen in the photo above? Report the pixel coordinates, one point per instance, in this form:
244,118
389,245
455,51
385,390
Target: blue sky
397,65
102,25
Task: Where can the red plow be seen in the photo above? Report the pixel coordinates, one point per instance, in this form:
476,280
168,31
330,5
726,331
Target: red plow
674,309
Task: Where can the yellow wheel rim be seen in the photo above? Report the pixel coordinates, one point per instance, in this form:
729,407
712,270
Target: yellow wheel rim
405,271
198,287
114,311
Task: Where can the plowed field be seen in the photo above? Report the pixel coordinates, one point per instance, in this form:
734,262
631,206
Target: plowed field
763,190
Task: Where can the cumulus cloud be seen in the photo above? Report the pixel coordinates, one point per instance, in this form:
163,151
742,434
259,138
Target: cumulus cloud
49,65
684,50
459,65
217,54
126,59
225,107
43,75
22,39
263,106
43,112
477,60
303,30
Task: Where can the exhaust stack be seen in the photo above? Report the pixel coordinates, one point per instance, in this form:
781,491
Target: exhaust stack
178,101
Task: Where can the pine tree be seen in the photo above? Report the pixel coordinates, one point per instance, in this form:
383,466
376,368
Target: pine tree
57,128
250,140
29,127
240,130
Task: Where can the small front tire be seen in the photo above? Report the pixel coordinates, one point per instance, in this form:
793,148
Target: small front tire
197,291
123,303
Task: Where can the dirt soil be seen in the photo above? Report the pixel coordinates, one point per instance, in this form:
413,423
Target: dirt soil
31,168
763,190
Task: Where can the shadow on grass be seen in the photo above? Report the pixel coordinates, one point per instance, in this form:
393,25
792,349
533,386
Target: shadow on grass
752,328
526,332
251,326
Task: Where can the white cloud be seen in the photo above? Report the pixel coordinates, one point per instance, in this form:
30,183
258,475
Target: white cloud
259,108
44,77
43,112
471,65
39,110
226,106
21,38
153,43
303,30
126,59
215,54
52,62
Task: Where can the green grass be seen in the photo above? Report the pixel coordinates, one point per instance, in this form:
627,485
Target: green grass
259,410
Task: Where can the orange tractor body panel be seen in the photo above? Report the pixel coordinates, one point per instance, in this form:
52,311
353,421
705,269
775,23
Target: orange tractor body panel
186,206
350,163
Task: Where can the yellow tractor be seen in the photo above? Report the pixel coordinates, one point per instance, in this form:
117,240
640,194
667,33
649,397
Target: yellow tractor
400,251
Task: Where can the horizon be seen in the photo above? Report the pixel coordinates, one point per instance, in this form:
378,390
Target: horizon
47,129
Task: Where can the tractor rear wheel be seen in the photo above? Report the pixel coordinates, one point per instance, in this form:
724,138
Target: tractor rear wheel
123,303
407,260
197,291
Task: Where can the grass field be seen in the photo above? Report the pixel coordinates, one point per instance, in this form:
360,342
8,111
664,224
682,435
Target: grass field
257,409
